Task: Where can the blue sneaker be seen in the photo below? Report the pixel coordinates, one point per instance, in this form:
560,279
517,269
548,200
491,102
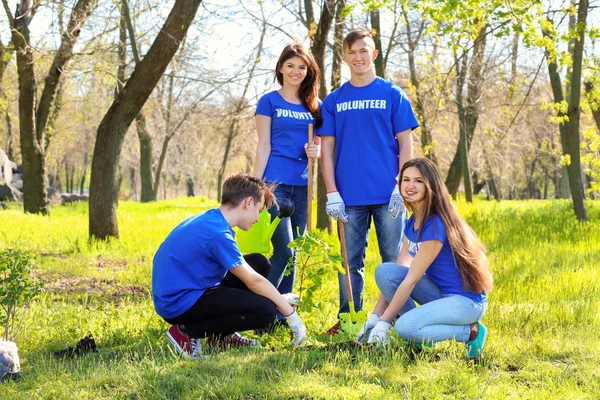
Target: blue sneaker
430,344
475,346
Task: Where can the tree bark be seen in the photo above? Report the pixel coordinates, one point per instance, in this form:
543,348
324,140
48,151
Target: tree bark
33,123
318,45
569,129
113,127
426,136
594,106
376,29
145,159
471,111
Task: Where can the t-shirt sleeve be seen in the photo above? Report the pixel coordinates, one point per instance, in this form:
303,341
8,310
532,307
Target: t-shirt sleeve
264,106
225,250
328,115
403,116
434,230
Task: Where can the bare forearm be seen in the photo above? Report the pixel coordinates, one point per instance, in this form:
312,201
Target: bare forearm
263,287
327,164
260,162
406,148
381,306
399,300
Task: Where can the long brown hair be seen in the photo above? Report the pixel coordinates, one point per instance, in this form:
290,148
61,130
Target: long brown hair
468,250
309,88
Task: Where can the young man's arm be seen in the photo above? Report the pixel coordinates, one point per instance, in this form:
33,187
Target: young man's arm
405,145
260,285
327,163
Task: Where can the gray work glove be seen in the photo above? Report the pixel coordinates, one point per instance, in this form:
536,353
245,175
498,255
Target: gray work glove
291,298
396,204
363,335
297,327
336,207
380,334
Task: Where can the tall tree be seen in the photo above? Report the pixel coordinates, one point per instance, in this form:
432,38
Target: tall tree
318,32
111,131
570,117
33,114
414,34
468,110
239,106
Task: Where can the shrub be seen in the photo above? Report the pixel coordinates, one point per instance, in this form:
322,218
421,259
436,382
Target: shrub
17,288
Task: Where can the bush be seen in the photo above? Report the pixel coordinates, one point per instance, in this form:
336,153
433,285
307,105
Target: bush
17,288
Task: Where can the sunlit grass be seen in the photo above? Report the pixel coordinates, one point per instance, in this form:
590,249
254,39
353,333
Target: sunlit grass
543,317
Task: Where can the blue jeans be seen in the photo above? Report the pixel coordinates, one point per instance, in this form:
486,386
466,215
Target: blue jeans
390,232
438,317
289,229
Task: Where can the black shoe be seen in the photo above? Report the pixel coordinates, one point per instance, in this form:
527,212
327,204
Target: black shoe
84,346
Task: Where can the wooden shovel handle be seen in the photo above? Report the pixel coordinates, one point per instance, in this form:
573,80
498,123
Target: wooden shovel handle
310,183
345,257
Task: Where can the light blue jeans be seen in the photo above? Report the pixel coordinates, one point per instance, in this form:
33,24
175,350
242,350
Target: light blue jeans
288,229
390,232
438,316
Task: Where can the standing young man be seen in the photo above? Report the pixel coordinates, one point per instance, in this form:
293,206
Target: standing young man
366,137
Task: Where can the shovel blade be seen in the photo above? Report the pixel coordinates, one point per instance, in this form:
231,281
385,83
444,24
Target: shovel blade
354,320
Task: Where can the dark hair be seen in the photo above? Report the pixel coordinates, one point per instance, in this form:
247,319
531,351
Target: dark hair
468,250
240,186
309,88
355,35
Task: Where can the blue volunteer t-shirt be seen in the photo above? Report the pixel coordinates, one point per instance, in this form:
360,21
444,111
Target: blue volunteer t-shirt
443,271
194,257
289,133
365,121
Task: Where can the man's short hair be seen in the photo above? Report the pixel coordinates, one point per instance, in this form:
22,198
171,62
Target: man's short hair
240,186
355,35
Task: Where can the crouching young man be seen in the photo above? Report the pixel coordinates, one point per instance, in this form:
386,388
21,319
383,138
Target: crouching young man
205,288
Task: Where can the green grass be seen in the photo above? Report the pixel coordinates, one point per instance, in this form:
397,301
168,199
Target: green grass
543,318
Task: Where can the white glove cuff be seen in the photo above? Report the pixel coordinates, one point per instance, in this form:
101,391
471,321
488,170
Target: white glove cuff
373,319
334,197
293,318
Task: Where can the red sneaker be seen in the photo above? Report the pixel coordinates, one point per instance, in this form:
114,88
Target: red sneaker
334,330
231,341
186,346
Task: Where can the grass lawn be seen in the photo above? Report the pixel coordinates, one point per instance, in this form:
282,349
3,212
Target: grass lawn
543,318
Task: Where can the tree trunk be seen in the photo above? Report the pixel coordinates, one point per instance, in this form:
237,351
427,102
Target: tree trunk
569,130
145,159
463,147
471,111
33,124
113,127
83,173
318,46
594,105
573,135
426,136
376,30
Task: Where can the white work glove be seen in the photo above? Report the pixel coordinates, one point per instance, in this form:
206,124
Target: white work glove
396,204
335,207
367,327
291,298
380,334
297,327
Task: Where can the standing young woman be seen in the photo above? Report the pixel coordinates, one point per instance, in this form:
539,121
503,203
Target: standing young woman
282,118
442,266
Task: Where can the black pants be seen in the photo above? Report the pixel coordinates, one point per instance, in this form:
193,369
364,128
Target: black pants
231,307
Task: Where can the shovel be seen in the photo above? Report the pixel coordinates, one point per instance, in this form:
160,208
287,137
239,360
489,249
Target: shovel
311,167
354,320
